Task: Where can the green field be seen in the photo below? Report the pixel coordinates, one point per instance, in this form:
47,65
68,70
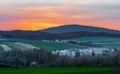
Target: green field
45,45
1,42
60,46
51,46
58,70
112,42
97,39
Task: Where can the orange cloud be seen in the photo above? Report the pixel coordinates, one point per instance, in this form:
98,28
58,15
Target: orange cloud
41,17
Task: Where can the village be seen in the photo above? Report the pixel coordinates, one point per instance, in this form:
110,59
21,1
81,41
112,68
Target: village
84,52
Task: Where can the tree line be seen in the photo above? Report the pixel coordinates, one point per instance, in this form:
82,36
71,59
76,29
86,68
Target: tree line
42,58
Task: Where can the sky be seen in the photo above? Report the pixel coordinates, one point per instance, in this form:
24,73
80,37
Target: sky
42,14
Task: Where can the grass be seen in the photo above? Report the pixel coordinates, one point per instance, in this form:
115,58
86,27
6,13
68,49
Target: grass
1,42
52,46
57,70
97,39
103,40
111,45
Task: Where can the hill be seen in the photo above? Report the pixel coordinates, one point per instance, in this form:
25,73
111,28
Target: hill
25,34
61,32
78,28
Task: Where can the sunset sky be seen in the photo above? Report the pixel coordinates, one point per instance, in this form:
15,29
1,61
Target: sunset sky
41,14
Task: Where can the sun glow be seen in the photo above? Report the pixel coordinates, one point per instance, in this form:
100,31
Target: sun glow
42,14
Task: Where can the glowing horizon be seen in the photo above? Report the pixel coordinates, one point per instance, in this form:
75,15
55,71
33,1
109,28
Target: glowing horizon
38,15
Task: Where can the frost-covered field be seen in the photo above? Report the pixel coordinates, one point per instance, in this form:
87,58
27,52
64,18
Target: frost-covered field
20,46
28,46
11,44
5,47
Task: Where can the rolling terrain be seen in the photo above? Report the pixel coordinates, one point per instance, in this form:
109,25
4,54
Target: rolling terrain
15,44
26,44
32,40
61,32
